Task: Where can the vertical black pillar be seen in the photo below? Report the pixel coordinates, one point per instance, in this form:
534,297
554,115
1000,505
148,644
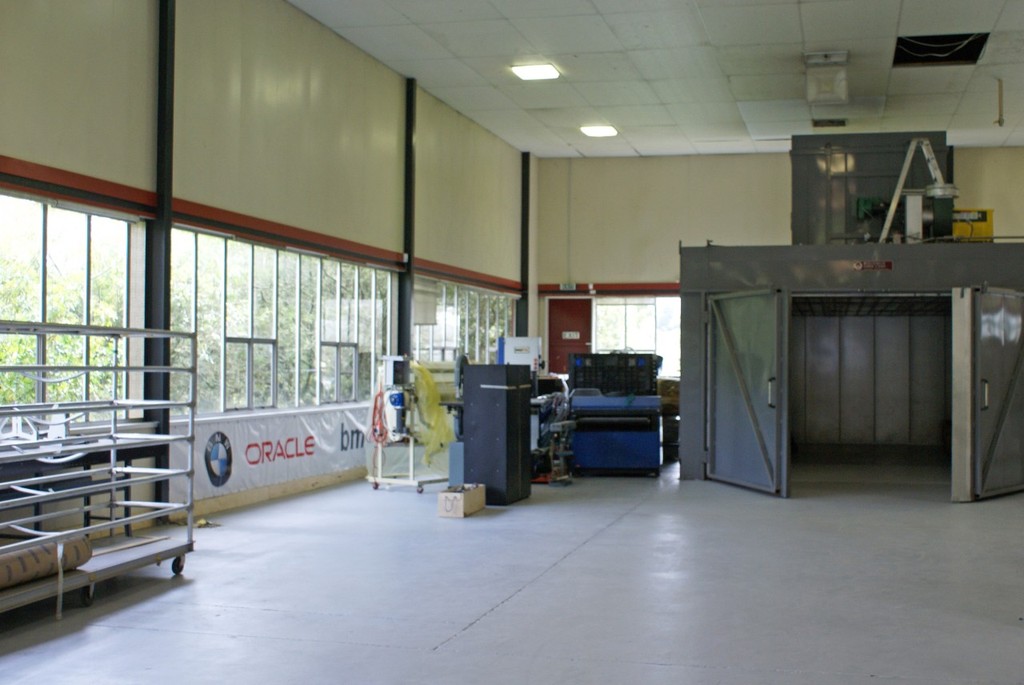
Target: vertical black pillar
158,230
405,278
523,303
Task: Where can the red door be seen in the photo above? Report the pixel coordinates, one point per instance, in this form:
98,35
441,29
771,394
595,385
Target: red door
569,326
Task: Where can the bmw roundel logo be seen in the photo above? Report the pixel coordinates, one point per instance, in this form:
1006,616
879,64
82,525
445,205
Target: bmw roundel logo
218,459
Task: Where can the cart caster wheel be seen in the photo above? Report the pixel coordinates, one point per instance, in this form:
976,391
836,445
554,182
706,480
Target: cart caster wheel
88,595
420,489
178,565
376,486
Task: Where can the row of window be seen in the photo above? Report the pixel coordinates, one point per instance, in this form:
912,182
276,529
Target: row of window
274,327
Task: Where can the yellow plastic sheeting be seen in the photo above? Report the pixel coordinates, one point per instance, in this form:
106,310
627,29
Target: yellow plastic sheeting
437,429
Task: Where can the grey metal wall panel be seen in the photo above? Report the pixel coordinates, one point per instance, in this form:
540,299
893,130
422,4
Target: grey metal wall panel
929,379
822,369
866,268
892,392
798,378
693,369
857,380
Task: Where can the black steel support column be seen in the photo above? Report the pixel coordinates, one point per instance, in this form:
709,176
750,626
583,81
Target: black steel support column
158,230
523,303
405,278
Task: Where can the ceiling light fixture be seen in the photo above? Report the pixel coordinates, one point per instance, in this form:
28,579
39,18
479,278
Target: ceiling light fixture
599,131
826,77
535,72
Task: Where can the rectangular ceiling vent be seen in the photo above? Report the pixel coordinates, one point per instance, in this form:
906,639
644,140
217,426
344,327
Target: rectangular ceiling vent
828,123
953,48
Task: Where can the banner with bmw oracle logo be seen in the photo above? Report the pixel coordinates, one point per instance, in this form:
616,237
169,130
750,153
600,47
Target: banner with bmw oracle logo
245,451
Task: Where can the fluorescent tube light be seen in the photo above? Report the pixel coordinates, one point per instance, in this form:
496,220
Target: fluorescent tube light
599,131
535,72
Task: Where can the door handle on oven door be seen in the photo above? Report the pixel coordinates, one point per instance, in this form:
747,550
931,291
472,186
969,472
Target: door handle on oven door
771,393
984,394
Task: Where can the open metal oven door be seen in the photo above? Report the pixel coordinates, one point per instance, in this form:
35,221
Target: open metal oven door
988,397
748,425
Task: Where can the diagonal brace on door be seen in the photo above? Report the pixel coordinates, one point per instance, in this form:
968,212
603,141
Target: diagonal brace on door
748,402
1004,411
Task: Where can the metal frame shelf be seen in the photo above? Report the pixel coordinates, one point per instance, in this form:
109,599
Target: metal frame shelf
67,468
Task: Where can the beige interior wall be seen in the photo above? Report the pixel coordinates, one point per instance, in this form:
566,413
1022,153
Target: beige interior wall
989,178
467,193
78,87
621,219
279,118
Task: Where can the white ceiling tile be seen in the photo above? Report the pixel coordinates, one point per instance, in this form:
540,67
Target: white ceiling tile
1004,48
396,43
929,80
753,25
568,34
857,108
984,120
766,146
768,87
867,82
692,114
596,66
776,130
620,6
431,73
747,60
617,93
633,62
430,11
663,29
693,90
337,15
543,95
478,38
938,17
638,115
1012,17
603,147
914,123
568,117
473,98
926,105
725,147
517,9
977,137
775,110
660,140
497,70
984,79
700,62
838,20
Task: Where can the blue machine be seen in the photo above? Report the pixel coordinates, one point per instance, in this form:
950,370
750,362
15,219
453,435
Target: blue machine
617,433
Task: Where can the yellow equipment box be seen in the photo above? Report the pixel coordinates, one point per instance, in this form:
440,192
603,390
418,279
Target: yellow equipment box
972,224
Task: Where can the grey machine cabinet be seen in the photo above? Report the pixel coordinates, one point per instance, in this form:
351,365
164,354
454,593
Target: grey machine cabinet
496,429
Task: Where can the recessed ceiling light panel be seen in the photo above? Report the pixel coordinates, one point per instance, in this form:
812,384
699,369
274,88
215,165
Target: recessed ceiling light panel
535,72
599,131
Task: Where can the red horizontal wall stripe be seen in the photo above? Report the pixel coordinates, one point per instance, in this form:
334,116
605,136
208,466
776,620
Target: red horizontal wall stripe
454,273
611,289
144,199
243,225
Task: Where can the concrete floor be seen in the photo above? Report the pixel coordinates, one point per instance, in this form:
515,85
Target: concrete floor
861,577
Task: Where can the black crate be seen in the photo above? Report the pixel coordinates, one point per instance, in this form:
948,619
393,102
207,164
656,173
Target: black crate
616,373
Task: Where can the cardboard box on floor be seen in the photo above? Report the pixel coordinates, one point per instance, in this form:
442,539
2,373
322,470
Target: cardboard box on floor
461,500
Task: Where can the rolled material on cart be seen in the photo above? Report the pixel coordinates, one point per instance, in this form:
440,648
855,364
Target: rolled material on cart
40,561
